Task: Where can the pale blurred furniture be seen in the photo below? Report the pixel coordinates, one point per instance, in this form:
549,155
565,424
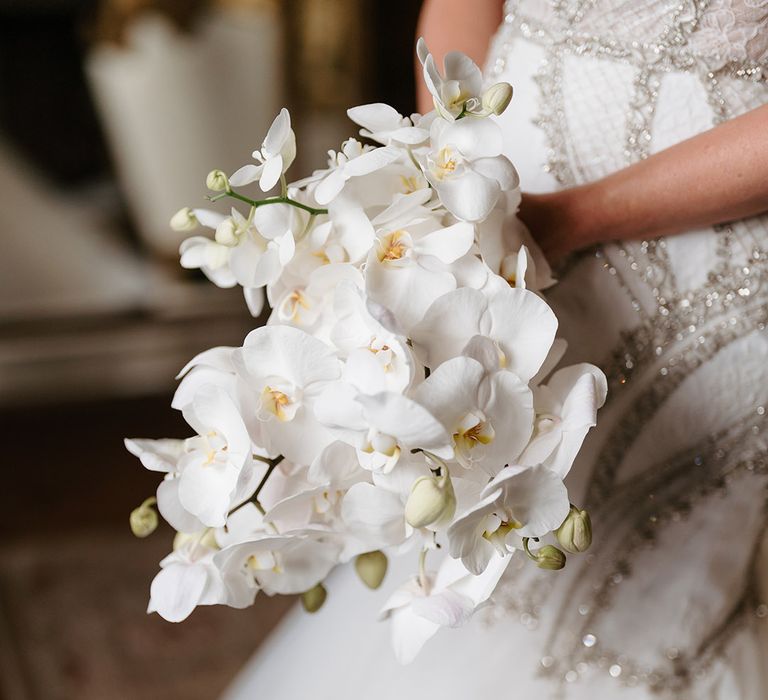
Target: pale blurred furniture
82,314
175,104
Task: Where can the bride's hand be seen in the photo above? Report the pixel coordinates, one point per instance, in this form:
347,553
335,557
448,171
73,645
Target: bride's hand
552,222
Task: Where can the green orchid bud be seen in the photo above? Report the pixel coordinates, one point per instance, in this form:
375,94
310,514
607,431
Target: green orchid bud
144,519
217,181
575,534
550,557
371,567
497,98
313,599
432,501
184,220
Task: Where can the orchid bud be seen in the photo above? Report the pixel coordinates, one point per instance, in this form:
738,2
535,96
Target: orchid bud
313,599
575,534
432,501
550,557
184,220
226,233
497,98
144,519
217,181
371,567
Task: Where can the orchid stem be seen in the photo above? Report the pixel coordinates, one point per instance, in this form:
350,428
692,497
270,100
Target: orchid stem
422,570
272,463
528,551
255,203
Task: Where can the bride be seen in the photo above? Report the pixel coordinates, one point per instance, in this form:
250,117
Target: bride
639,135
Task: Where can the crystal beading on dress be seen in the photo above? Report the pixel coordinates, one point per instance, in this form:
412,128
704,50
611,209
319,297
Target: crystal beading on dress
680,327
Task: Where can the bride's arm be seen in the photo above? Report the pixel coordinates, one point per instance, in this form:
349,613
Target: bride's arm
717,176
456,25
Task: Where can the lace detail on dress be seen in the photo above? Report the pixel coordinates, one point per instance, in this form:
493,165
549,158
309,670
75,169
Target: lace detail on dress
733,31
620,80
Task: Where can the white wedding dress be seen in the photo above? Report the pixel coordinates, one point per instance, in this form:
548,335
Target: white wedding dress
672,600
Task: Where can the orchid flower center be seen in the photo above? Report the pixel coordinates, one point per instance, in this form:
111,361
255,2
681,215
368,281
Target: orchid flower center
497,529
447,163
383,354
326,501
263,561
394,246
291,307
472,432
212,447
276,402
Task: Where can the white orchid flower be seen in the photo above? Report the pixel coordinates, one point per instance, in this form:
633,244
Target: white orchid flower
217,463
508,248
280,564
188,578
518,502
231,475
520,323
318,502
566,408
311,306
406,268
488,416
353,161
251,252
460,90
381,426
201,253
376,359
418,609
164,456
374,513
385,124
286,369
466,167
275,157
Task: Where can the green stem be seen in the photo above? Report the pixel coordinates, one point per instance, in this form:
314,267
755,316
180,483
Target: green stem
255,203
272,463
422,570
528,551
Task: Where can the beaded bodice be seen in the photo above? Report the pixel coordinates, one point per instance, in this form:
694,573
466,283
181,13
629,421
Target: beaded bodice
676,470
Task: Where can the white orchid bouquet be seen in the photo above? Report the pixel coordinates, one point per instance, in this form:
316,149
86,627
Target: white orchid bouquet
402,397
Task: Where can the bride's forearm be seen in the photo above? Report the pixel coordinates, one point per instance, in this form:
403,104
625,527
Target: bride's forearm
717,176
456,25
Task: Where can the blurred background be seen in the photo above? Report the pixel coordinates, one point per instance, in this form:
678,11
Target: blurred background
111,115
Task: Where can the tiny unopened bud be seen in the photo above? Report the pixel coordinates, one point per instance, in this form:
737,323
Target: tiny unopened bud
550,557
313,599
217,181
497,98
371,567
184,220
226,232
432,501
575,534
144,519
